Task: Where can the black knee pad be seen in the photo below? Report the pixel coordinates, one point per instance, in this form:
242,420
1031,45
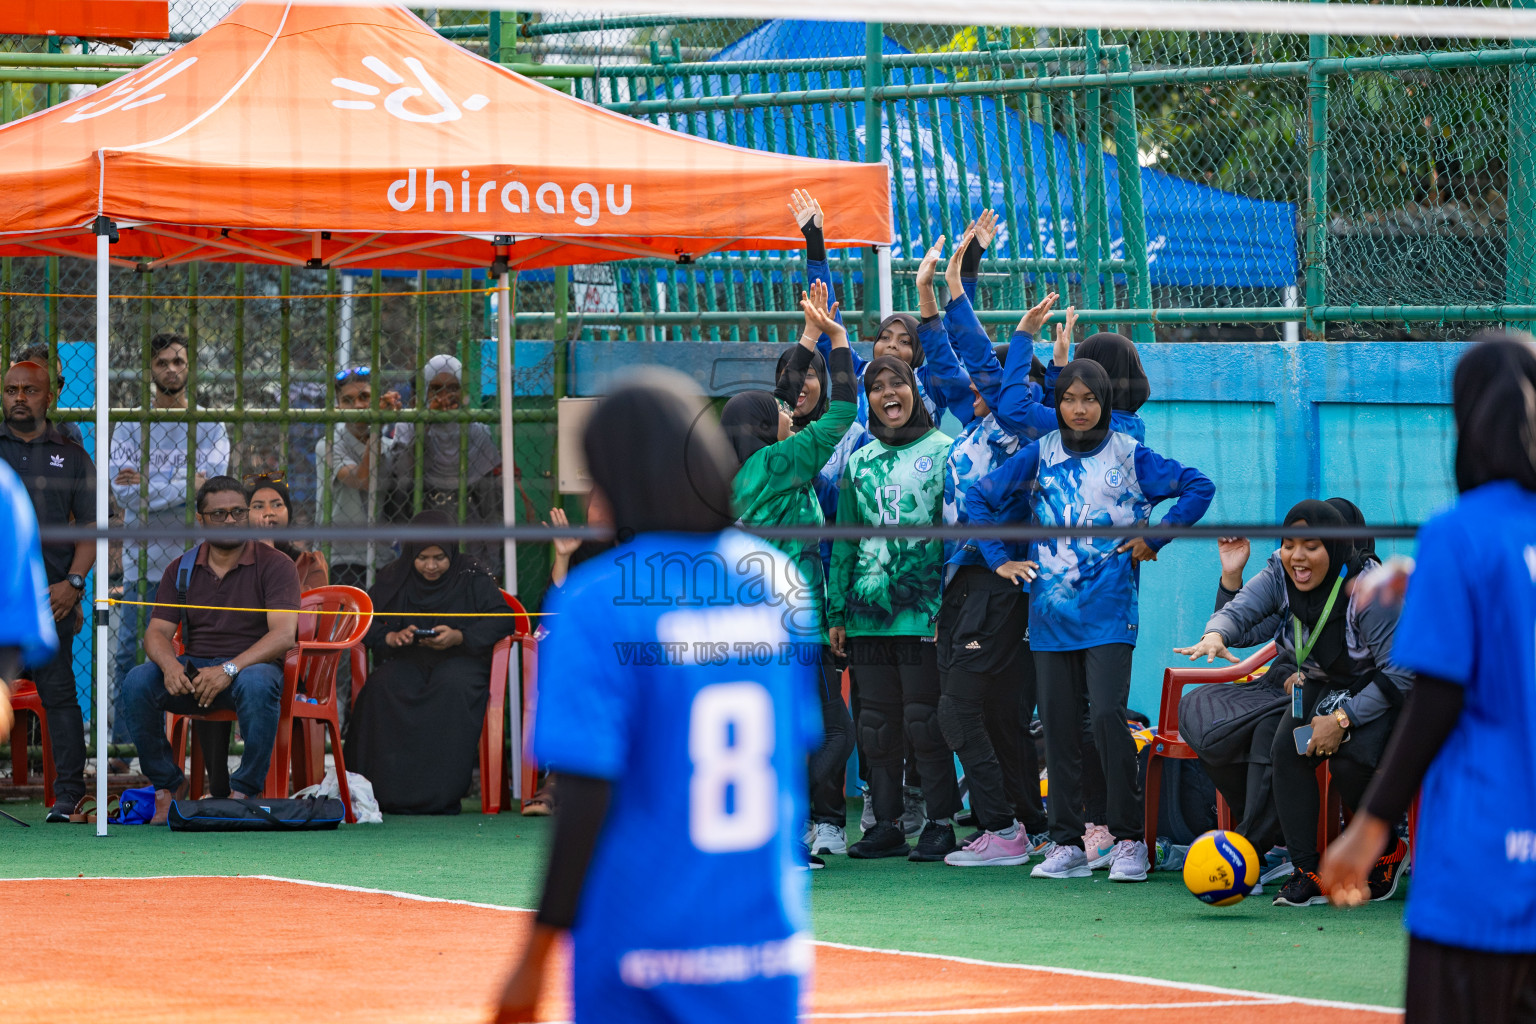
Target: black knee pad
951,722
879,735
922,721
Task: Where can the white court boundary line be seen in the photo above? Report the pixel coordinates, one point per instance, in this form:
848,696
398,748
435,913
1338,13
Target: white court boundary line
1246,997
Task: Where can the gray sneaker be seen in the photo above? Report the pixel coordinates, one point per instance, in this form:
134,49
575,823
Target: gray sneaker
914,814
1064,862
829,838
867,818
1128,863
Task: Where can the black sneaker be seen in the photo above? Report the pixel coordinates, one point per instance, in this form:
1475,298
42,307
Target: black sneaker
936,842
1302,889
884,839
60,811
1387,870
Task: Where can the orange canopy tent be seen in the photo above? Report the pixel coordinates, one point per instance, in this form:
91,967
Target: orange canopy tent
358,137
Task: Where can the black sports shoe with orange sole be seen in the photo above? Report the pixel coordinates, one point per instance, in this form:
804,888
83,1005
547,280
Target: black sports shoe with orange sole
1387,870
1302,889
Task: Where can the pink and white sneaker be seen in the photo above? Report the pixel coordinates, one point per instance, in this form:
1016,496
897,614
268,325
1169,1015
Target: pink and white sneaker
1099,846
990,849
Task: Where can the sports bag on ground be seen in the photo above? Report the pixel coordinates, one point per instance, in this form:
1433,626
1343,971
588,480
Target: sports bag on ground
303,814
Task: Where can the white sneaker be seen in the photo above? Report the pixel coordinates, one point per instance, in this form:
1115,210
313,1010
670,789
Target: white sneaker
867,818
1099,846
829,838
1129,861
1064,862
1274,867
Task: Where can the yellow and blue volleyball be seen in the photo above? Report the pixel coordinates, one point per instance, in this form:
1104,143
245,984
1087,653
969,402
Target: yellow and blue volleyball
1221,868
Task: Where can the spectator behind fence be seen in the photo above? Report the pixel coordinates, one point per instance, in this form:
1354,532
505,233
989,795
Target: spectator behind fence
416,727
38,353
150,485
240,619
355,449
61,481
443,391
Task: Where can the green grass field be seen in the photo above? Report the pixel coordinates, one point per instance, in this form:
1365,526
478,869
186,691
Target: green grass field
1155,929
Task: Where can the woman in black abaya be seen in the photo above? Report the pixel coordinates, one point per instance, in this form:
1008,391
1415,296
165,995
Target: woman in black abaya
415,730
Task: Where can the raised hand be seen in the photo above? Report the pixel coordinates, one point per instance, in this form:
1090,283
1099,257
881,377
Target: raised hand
956,261
565,547
930,264
819,319
1234,553
985,228
1032,322
1061,354
805,208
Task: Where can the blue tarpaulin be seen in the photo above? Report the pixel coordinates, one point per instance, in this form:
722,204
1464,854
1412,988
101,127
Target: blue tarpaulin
1196,235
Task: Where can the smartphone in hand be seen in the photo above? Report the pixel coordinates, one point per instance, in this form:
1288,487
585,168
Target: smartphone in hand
425,634
1303,735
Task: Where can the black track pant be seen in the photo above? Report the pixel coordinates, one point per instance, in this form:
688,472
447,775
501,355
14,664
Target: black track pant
1099,679
898,681
1295,778
829,765
981,649
1248,786
55,682
1451,985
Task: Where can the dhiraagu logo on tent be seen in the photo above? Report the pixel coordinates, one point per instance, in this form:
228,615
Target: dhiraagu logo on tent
439,195
440,109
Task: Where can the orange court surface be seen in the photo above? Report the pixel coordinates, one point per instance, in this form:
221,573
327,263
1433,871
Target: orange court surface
263,949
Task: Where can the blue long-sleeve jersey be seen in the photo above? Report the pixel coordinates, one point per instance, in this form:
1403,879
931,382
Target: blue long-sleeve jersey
1086,592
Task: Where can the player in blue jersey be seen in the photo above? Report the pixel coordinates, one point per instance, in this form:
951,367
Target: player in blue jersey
678,707
1468,631
27,636
1083,603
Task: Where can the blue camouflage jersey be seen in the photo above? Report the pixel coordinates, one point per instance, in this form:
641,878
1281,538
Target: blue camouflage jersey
1086,593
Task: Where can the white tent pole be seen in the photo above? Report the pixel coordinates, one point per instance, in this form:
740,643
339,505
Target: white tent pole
887,292
504,379
99,608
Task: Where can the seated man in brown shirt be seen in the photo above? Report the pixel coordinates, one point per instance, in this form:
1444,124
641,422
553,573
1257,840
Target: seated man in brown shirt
234,653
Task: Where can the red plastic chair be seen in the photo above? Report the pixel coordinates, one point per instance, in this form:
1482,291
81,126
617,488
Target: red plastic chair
493,777
1166,741
323,639
24,697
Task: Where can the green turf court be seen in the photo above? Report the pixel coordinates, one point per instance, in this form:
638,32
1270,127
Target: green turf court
1154,929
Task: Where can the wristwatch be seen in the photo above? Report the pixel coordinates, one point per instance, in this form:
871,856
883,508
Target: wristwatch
75,580
1342,717
230,669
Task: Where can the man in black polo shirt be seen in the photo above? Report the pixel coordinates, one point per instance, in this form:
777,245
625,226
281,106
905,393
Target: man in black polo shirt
234,646
61,481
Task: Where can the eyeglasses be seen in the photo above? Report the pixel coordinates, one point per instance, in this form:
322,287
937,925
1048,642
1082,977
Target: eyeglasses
252,479
224,515
342,376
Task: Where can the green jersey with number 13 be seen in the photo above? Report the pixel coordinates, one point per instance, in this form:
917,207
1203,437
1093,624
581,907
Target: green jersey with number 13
890,586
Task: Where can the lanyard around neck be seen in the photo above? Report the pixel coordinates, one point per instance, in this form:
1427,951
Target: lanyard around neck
1317,631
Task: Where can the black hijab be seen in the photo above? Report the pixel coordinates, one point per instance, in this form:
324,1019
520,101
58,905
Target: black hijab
1307,606
1495,398
918,422
819,366
1364,544
1118,355
751,423
1080,442
908,321
656,452
401,590
1036,367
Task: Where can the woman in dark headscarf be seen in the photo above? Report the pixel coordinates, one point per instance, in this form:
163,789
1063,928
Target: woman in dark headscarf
682,778
1465,732
415,729
1350,690
1118,355
883,601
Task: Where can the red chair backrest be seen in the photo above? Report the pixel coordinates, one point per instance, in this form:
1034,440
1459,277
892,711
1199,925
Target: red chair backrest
352,614
1175,679
522,623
